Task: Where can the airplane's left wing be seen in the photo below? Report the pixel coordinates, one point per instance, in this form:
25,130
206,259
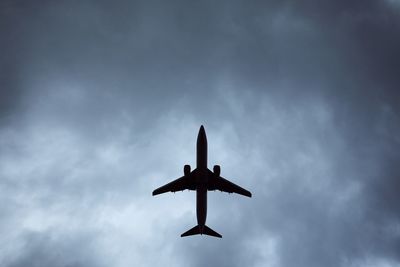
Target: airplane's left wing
180,184
222,184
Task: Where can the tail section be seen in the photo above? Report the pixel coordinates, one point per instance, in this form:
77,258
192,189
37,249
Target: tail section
211,232
196,231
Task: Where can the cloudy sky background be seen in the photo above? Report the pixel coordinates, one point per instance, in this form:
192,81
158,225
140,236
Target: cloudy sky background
101,102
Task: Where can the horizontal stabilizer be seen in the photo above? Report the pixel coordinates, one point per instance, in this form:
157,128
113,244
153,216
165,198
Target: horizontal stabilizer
211,232
196,231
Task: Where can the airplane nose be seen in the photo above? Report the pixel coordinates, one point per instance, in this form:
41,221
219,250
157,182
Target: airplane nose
202,133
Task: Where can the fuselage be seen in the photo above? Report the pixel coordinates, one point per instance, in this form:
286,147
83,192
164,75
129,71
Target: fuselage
201,191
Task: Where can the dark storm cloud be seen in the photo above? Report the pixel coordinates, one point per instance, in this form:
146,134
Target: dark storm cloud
10,73
100,103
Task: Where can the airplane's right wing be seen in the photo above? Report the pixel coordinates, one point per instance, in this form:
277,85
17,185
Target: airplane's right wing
180,184
219,183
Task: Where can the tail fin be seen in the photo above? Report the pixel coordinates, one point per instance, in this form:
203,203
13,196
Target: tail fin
196,231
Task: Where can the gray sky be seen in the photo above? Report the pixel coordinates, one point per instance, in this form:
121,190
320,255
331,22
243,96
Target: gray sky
101,102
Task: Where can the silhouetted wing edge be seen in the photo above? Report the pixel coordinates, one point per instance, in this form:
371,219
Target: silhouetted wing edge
224,185
179,184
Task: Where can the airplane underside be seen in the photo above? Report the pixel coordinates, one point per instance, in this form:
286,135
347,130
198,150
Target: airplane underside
202,180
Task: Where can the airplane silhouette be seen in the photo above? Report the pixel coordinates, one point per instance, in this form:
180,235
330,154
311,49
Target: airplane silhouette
202,180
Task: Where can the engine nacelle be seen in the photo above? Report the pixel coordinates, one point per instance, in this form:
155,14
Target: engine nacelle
217,170
186,170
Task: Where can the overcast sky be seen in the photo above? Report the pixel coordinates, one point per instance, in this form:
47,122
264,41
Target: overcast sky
101,102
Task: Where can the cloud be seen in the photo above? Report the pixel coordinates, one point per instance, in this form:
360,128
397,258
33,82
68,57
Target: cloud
101,103
55,249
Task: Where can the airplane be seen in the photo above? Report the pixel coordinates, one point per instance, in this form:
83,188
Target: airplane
202,180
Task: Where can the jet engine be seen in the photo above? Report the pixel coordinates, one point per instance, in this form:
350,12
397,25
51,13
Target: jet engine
186,170
217,170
